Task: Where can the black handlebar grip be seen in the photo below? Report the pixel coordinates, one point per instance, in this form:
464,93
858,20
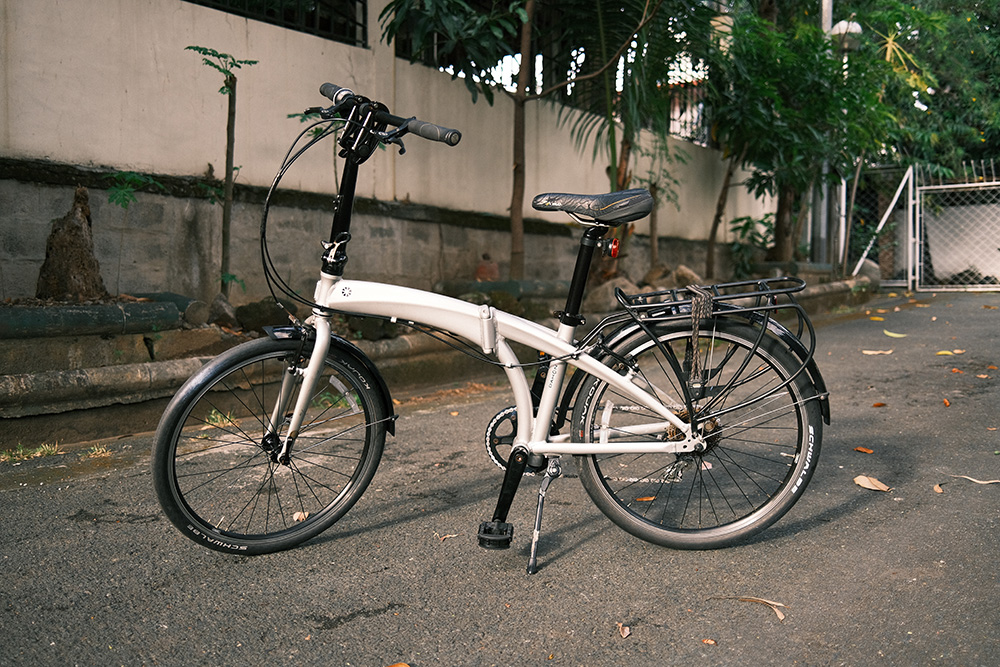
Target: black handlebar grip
337,94
434,132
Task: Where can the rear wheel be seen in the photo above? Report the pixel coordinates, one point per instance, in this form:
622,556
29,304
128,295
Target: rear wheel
215,465
762,439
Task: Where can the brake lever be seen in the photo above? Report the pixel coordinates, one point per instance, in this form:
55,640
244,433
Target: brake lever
326,113
395,137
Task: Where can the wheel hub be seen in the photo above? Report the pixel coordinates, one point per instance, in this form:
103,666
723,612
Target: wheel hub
711,431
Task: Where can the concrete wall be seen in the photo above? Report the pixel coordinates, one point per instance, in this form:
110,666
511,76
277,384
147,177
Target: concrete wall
107,83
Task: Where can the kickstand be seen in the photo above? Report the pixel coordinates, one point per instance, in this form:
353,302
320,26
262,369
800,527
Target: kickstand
551,472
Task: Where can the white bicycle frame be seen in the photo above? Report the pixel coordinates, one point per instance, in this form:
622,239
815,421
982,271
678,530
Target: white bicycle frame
491,329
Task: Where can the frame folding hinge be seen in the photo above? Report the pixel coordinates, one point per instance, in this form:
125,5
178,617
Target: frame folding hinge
487,329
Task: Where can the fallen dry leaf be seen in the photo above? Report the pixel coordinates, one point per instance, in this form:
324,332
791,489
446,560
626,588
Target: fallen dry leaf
938,489
300,516
945,353
623,630
710,642
866,482
878,405
874,352
983,376
645,499
744,598
977,481
454,413
947,403
442,538
876,318
893,334
959,351
922,305
991,367
990,307
864,450
957,370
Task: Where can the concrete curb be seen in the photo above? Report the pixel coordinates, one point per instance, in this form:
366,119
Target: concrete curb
411,360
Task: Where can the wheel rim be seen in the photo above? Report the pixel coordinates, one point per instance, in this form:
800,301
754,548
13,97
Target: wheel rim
753,454
224,470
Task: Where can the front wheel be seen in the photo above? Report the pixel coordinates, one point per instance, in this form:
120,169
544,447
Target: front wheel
215,465
762,437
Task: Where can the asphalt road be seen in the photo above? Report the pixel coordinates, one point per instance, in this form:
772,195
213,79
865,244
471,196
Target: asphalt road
93,575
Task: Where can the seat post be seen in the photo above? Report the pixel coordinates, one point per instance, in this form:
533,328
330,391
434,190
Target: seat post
574,300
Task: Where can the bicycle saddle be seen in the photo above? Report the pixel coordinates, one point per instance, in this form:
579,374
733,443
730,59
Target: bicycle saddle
612,209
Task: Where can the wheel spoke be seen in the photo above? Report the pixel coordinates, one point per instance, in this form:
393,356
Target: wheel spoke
752,420
214,470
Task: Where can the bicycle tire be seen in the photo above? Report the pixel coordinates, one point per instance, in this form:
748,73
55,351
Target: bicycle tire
759,457
216,479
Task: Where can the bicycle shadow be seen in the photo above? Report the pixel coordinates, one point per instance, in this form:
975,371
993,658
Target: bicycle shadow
398,512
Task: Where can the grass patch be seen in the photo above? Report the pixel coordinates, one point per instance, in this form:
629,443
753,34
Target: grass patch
21,454
97,452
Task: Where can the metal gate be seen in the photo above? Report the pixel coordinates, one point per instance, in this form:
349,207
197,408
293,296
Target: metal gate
957,237
939,237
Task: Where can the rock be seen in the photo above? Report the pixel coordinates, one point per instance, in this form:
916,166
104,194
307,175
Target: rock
256,316
683,276
602,298
222,313
487,270
373,328
656,275
871,269
70,270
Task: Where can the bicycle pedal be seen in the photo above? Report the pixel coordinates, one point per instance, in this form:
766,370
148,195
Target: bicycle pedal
495,534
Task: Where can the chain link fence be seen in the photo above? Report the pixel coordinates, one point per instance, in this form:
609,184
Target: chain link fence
958,237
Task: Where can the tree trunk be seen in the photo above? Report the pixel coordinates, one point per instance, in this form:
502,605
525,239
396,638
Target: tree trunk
846,250
654,236
227,202
524,78
720,210
800,221
784,244
517,194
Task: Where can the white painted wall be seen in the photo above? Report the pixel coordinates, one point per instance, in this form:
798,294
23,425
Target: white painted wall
108,82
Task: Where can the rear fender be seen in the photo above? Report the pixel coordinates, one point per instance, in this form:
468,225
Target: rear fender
790,340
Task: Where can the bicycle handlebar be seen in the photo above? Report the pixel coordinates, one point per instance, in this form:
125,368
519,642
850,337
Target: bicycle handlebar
421,128
337,94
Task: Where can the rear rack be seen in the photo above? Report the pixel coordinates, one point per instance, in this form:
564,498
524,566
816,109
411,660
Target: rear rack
756,300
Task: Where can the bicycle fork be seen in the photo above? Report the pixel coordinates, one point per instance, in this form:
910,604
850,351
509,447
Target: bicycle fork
306,380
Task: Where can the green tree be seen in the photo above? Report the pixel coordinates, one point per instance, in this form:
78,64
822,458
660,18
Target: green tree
781,103
947,91
226,65
471,40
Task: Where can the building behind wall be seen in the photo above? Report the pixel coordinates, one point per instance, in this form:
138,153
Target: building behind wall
91,89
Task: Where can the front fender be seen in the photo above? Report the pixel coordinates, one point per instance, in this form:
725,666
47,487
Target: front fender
357,355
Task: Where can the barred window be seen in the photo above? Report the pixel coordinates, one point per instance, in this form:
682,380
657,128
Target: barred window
340,20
